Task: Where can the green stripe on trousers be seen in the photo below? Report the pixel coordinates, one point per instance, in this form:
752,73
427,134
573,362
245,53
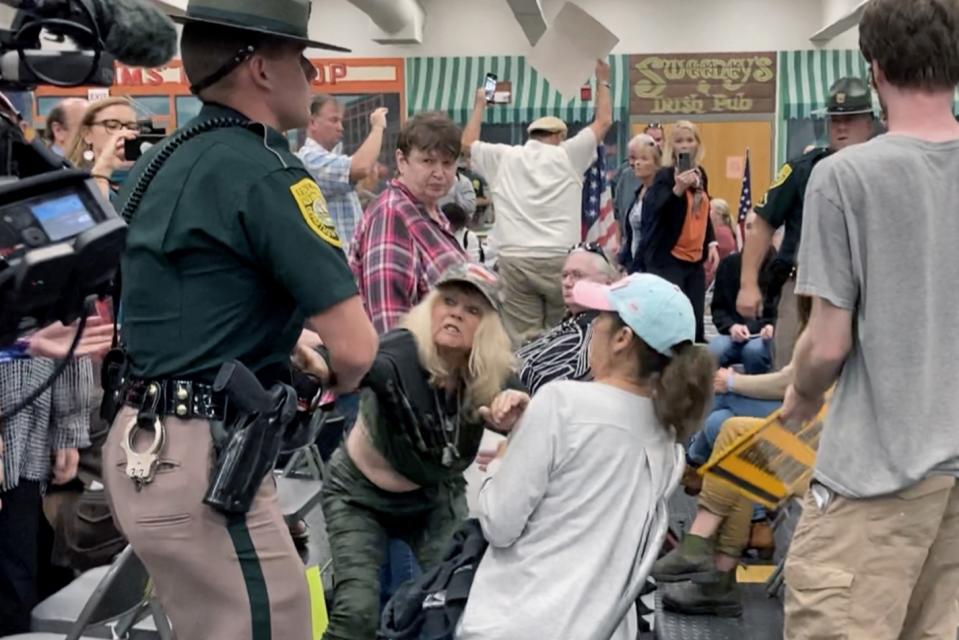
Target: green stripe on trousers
252,576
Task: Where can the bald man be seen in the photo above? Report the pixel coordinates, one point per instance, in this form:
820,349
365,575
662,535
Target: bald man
63,122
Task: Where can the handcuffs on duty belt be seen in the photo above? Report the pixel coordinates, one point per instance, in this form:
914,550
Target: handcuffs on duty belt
257,425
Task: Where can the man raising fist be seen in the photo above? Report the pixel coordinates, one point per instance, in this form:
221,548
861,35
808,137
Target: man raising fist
335,173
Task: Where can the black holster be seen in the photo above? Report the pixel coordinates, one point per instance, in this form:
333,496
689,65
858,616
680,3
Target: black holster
254,435
113,379
778,274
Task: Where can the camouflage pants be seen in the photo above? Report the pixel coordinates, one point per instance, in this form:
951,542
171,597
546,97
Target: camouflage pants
360,520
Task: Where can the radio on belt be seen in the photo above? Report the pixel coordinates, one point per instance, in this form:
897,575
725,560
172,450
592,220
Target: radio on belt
60,243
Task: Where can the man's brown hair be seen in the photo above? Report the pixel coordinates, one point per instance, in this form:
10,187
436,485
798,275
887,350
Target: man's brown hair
430,131
914,42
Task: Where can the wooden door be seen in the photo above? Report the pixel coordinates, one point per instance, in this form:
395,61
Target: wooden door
726,144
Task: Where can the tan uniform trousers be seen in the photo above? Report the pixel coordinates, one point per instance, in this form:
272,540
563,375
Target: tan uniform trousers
876,569
721,499
533,295
787,326
217,578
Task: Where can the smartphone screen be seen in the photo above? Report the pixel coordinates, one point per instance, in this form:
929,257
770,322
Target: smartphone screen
489,85
136,147
685,162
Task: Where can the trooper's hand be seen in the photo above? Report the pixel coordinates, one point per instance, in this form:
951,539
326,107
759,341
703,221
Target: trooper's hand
602,71
306,359
749,301
65,465
378,118
505,410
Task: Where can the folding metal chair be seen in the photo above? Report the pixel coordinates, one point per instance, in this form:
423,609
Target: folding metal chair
117,608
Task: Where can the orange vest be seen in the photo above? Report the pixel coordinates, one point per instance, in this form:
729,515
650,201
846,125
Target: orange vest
689,247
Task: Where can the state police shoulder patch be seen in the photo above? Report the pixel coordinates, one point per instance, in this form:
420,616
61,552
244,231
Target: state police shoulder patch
313,208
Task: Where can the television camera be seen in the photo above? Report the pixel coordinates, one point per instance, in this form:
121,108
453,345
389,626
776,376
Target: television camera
60,239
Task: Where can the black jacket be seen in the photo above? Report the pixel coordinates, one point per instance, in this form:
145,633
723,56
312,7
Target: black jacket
664,214
727,289
632,263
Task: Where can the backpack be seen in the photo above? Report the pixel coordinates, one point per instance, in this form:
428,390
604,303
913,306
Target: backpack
429,607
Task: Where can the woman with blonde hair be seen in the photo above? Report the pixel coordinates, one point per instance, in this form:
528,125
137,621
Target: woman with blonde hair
723,227
98,145
678,238
646,159
399,473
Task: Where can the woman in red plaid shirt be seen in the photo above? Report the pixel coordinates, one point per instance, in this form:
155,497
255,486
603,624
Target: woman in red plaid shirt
404,241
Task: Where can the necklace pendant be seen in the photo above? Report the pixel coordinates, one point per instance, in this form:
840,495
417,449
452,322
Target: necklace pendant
449,454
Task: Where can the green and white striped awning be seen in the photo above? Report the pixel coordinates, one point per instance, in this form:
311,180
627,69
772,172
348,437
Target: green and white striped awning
805,78
449,84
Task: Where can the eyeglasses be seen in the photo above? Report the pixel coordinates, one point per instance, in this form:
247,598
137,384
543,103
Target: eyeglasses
591,247
115,125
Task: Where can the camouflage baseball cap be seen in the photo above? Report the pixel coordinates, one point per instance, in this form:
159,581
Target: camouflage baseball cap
479,277
849,96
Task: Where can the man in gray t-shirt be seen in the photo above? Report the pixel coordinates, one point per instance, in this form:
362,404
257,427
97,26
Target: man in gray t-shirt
875,553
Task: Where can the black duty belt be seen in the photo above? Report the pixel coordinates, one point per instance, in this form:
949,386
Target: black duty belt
182,399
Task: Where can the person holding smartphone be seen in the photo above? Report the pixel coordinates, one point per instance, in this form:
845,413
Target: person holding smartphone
677,240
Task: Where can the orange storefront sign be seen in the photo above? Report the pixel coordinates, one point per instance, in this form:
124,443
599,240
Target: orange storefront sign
360,75
334,75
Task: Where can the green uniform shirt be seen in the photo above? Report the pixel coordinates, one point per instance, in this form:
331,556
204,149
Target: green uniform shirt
230,250
783,203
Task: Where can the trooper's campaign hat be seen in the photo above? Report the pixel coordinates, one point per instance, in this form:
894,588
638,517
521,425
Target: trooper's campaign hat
849,96
287,19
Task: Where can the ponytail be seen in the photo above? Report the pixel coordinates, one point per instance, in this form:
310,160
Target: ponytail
682,383
684,389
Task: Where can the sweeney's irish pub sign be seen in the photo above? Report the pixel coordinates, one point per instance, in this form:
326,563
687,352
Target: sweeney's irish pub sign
702,83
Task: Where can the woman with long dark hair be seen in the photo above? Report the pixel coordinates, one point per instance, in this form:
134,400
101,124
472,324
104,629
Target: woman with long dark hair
573,498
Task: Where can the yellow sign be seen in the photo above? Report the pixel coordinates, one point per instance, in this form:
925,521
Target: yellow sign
312,206
772,462
701,83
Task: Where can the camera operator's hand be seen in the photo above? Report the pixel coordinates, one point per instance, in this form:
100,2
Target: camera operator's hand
54,341
65,465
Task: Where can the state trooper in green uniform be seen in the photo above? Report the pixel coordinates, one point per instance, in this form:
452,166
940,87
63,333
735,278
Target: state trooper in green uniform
231,253
851,121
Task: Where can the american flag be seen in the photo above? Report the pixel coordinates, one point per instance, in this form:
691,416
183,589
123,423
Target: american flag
599,223
745,202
